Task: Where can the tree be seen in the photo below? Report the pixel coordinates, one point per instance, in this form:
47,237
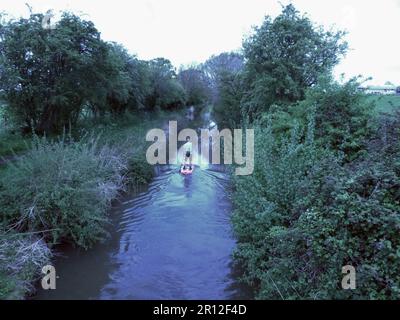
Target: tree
216,67
224,74
287,55
227,109
195,84
130,86
166,91
49,74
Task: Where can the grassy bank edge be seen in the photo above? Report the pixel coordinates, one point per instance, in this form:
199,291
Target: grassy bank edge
23,253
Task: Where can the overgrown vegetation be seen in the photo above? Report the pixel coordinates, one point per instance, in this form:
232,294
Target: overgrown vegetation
11,143
22,257
57,187
325,190
50,78
305,213
324,193
61,189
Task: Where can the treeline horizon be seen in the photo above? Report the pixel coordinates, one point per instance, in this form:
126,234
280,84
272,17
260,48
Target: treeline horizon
52,77
78,109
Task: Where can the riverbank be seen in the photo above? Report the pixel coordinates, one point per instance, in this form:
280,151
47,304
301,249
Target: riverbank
323,195
60,191
172,240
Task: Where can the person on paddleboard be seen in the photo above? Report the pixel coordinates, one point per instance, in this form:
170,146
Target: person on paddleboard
187,148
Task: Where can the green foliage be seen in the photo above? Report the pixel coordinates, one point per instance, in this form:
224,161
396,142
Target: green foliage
49,73
285,56
342,115
11,143
217,66
324,193
62,189
21,259
268,202
227,111
139,172
226,83
166,91
304,214
51,77
196,85
129,90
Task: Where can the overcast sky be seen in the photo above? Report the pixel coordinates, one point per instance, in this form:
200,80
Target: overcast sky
188,31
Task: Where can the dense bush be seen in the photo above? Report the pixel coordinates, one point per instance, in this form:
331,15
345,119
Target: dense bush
21,259
325,190
304,214
342,115
341,112
62,190
139,172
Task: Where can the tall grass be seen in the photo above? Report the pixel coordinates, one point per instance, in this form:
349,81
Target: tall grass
21,257
62,189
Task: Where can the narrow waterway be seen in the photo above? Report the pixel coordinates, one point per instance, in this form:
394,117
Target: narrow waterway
171,241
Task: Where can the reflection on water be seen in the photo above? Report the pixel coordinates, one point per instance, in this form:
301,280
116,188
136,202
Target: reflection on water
173,241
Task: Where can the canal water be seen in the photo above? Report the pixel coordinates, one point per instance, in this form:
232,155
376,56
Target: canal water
172,240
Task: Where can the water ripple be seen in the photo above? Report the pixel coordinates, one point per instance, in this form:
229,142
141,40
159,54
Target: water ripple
176,240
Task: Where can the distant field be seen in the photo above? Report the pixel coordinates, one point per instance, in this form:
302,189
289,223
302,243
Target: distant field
385,103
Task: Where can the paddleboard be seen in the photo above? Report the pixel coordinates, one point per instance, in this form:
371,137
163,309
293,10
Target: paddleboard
186,171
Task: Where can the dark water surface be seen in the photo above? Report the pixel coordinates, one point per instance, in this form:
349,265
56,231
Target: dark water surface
172,241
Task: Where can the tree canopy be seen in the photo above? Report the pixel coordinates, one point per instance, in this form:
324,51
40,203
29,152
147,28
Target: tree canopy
287,55
49,76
